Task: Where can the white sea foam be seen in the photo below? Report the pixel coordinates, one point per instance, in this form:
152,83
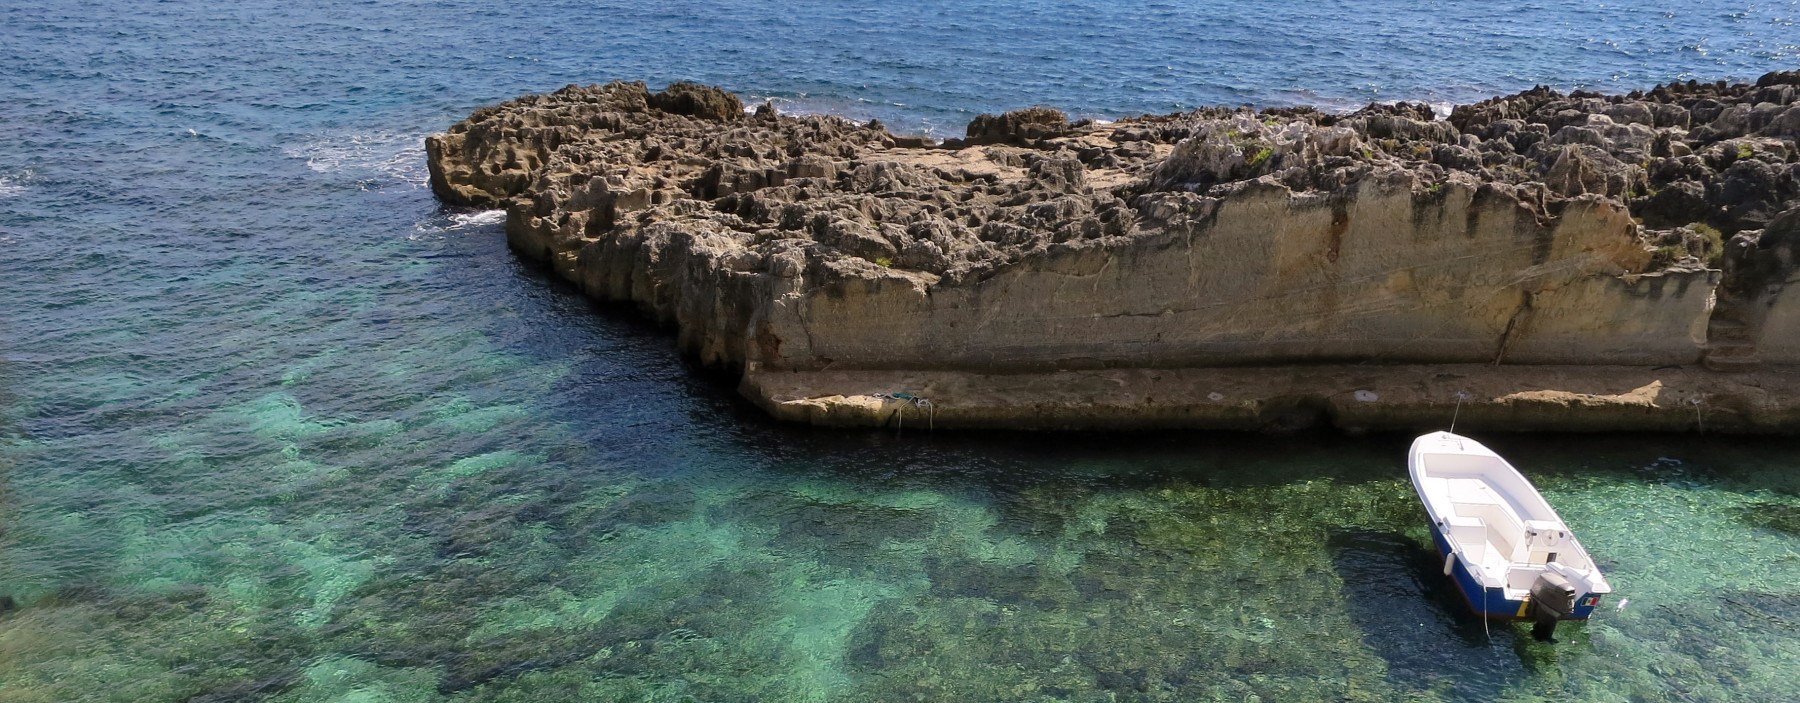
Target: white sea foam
436,228
476,219
13,186
381,155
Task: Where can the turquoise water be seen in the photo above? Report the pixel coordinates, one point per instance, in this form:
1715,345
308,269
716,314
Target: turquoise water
276,426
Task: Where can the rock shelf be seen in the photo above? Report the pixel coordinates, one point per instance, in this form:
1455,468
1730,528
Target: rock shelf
1512,250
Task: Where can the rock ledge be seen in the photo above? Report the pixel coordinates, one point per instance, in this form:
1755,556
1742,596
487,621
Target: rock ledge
1619,239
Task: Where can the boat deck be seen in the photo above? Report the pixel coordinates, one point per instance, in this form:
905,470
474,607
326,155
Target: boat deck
1503,532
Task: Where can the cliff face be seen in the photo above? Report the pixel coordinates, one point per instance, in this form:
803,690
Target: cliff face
1268,276
1758,313
1643,230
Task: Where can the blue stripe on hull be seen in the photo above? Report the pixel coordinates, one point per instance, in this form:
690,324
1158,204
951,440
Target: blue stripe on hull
1491,603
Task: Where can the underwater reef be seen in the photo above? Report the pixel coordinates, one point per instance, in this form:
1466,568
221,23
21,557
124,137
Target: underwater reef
1540,261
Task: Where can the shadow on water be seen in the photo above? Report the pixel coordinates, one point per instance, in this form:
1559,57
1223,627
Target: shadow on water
1772,515
1411,616
1125,460
1738,464
1773,612
680,393
704,400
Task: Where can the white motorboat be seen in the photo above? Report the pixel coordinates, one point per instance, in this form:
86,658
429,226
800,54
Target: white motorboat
1509,553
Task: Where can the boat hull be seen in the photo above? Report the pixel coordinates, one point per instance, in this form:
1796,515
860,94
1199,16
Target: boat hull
1492,603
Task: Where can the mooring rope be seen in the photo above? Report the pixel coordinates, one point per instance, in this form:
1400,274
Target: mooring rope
1460,397
917,402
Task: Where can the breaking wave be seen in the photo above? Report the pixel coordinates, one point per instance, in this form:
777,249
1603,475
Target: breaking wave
381,155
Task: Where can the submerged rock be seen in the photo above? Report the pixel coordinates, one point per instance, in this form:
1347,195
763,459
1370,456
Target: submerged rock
1539,228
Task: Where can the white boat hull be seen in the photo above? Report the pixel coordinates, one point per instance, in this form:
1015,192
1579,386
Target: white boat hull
1495,534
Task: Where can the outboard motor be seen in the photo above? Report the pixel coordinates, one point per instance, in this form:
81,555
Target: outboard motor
1552,599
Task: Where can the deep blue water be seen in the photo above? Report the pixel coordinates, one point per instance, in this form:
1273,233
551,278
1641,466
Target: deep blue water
275,425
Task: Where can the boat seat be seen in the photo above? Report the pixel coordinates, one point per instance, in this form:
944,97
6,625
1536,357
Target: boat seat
1520,578
1474,498
1468,533
1466,529
1458,465
1500,527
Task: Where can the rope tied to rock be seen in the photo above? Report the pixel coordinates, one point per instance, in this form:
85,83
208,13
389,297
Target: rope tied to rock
915,401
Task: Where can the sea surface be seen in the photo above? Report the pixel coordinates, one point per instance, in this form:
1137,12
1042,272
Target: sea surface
274,425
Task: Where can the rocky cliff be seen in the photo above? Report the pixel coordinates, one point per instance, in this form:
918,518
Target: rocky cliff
1538,230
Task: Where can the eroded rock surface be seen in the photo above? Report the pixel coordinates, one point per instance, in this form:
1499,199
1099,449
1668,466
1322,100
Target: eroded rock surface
1539,228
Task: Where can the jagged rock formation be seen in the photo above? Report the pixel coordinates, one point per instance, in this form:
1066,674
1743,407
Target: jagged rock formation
1540,228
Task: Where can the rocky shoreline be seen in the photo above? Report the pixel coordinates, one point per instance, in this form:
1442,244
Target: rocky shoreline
1558,261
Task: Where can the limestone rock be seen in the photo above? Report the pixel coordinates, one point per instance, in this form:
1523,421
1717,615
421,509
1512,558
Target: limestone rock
705,102
1758,311
1018,127
1509,233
